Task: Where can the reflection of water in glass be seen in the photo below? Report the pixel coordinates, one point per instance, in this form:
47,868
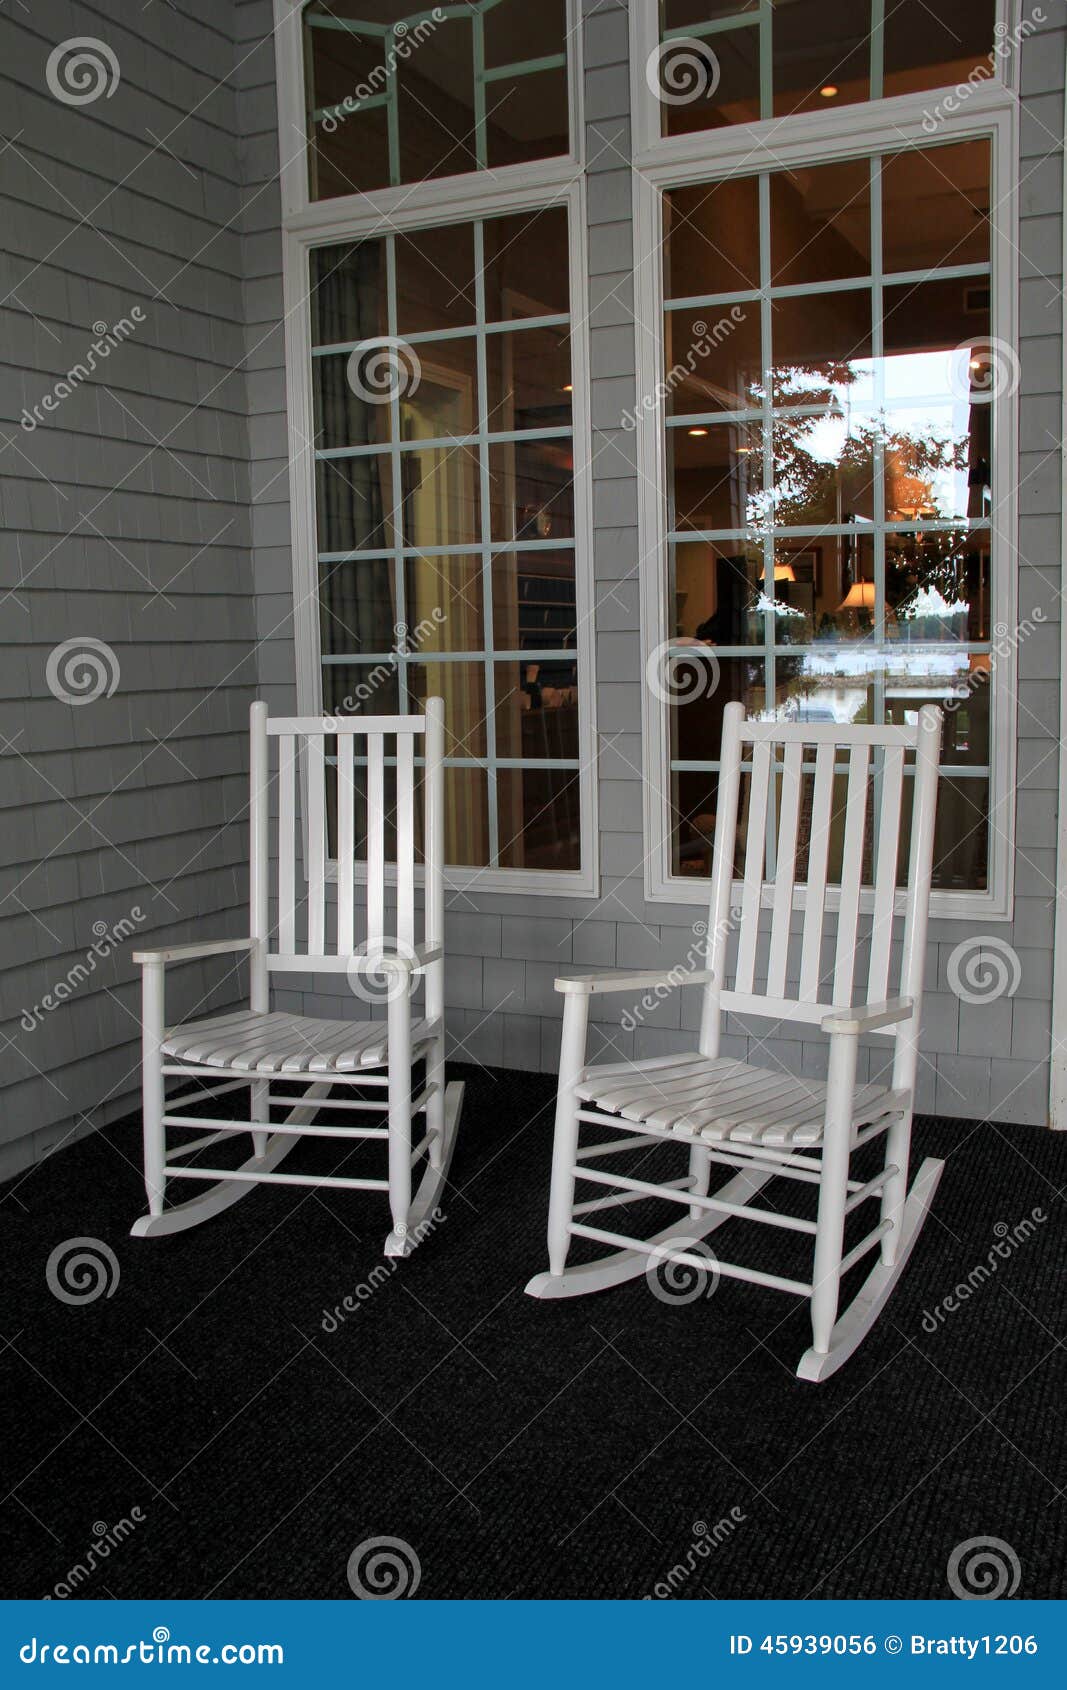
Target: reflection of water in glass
835,685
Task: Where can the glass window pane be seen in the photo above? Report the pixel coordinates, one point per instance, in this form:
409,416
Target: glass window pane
683,14
935,468
824,589
696,723
526,265
347,415
438,388
357,606
715,476
822,349
360,689
443,604
821,55
539,817
938,585
936,46
435,286
718,592
537,709
462,686
710,84
354,503
348,127
712,360
955,680
348,301
467,817
529,376
824,470
533,601
821,223
530,490
928,330
527,117
712,236
441,496
936,207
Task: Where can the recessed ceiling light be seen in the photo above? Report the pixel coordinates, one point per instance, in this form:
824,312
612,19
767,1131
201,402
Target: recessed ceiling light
829,92
569,388
696,433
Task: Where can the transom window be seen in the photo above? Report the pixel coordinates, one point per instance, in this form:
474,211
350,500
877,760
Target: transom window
759,59
397,94
445,518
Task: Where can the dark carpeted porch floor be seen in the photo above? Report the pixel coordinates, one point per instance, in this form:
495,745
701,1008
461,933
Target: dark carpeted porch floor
520,1448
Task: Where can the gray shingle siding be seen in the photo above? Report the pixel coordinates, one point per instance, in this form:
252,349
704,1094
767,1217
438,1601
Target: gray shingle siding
126,518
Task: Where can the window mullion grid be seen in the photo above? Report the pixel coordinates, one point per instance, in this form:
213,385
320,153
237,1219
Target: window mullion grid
766,63
396,554
480,124
877,49
392,89
485,548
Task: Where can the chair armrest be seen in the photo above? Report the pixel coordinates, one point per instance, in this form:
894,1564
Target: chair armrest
866,1017
186,953
392,962
646,981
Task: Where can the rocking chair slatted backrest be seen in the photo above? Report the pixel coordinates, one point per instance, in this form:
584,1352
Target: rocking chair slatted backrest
369,743
801,843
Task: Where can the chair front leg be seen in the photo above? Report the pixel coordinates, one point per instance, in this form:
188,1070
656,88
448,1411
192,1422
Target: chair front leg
153,1102
399,1013
565,1141
833,1188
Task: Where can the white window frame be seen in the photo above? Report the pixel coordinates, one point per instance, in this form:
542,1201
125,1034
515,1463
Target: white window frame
308,223
889,125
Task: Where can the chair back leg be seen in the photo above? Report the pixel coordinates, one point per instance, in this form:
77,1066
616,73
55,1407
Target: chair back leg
565,1138
260,1112
153,1107
399,1011
833,1190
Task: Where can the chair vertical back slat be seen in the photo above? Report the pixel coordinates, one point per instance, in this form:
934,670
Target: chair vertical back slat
859,759
405,840
287,842
722,875
315,749
885,872
755,854
785,870
375,838
346,846
822,802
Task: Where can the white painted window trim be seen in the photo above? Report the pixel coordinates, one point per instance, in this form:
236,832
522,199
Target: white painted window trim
812,138
453,199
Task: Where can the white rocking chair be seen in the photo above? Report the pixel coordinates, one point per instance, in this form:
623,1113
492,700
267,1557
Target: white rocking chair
259,1047
760,1122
